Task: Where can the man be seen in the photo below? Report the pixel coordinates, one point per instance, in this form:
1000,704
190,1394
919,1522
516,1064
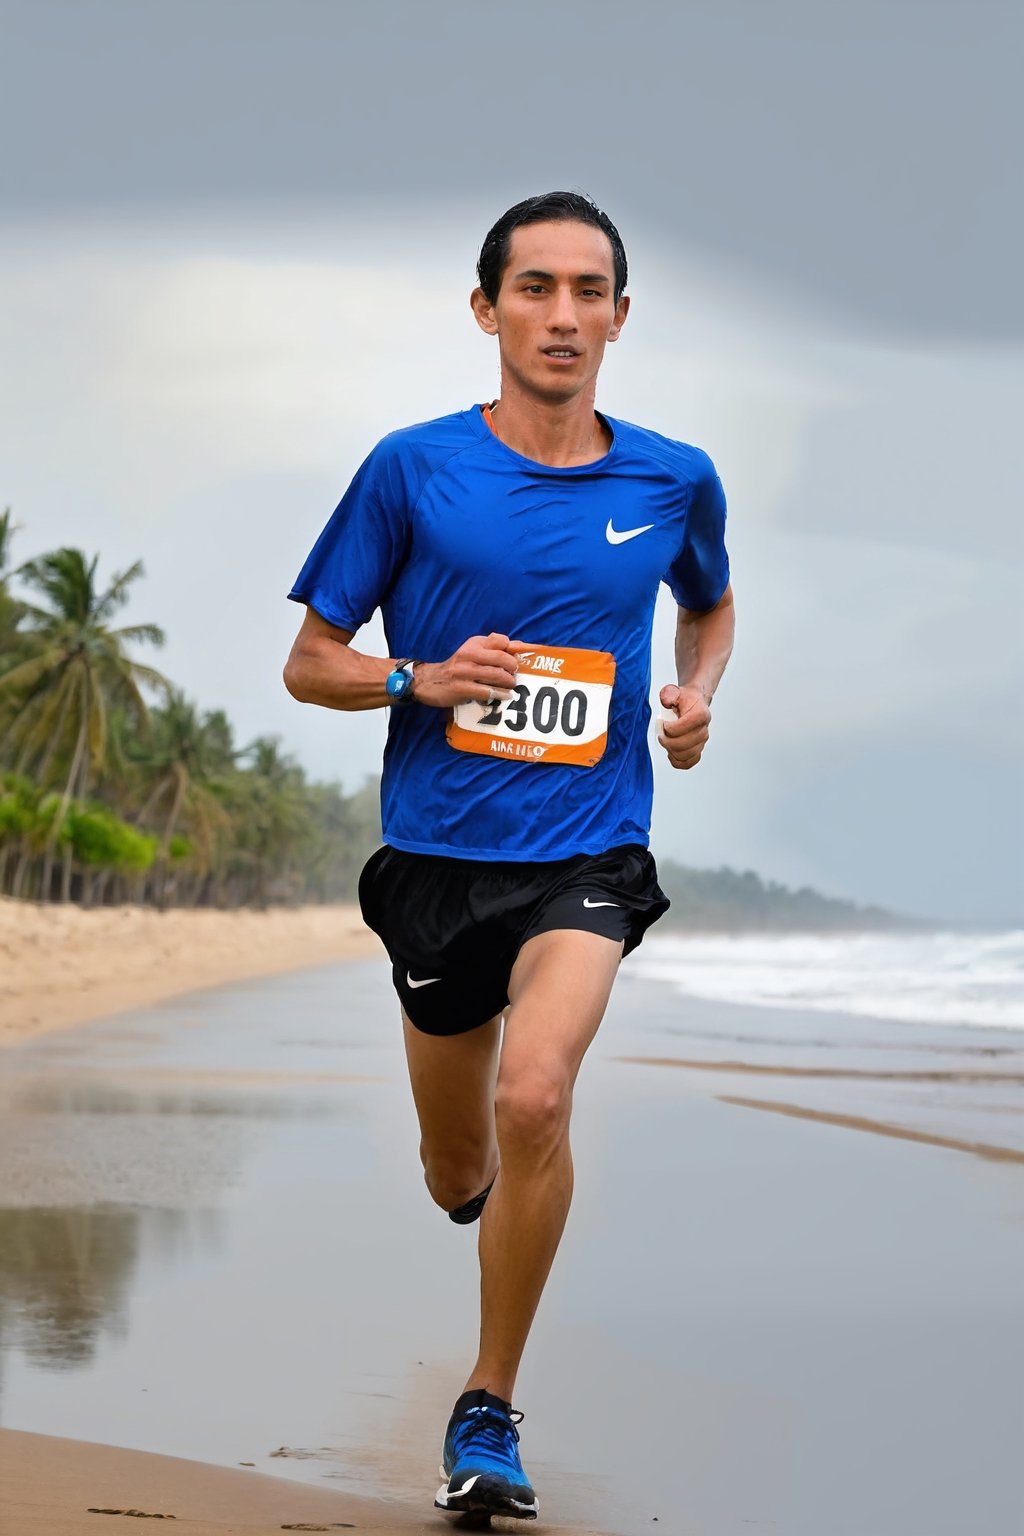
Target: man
516,551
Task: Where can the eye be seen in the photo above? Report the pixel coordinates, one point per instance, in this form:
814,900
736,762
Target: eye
535,288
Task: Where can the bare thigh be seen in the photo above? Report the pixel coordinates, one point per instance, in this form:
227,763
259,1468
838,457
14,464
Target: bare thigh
558,992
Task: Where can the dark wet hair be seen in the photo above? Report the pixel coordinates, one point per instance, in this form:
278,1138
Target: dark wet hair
548,208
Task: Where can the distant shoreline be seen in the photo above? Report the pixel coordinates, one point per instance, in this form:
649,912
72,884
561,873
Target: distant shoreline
684,925
64,965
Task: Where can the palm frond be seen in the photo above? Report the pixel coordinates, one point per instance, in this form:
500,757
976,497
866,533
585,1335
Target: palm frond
150,677
151,633
29,673
116,594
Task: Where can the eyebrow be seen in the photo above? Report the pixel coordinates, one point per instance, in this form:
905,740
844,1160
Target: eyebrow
549,277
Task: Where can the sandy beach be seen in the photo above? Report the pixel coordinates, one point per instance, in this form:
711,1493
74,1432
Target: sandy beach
62,966
793,1306
59,1487
54,1487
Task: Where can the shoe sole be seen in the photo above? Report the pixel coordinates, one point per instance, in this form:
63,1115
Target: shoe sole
482,1495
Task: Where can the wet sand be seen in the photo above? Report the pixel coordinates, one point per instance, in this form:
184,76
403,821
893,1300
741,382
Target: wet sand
214,1244
71,1488
61,965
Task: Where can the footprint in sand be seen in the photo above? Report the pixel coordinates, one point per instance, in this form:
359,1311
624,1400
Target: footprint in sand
139,1514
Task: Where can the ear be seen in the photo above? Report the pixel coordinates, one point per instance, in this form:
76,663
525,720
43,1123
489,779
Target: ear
483,311
621,311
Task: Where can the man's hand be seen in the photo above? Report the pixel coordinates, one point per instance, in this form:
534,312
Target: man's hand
483,668
685,737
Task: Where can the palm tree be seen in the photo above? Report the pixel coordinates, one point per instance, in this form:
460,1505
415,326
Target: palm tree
61,697
186,754
19,816
271,813
340,833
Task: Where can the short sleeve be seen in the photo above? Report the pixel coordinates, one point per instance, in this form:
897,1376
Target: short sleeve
354,562
699,574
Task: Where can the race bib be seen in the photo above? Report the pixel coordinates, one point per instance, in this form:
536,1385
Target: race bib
558,711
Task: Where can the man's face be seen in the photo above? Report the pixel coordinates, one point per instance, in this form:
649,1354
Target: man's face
556,311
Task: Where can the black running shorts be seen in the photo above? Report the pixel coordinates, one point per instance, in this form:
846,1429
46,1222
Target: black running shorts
453,927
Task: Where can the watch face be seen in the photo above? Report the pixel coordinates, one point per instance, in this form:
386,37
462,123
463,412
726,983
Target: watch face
397,684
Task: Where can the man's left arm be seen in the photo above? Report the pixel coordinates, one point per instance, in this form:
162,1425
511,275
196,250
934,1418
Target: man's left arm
703,647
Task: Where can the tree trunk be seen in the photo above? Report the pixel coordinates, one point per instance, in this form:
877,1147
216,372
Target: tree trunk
24,859
54,741
151,802
79,768
165,841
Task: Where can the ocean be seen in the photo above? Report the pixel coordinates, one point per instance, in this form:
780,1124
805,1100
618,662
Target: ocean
965,979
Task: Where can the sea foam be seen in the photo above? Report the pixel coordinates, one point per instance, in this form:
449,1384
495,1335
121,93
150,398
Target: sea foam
935,978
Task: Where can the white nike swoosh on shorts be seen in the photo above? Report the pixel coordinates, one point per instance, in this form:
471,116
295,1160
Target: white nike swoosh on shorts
588,903
615,537
426,982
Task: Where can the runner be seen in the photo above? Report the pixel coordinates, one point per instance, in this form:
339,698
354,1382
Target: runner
515,550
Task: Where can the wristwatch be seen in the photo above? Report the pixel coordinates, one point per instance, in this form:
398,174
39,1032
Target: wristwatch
399,683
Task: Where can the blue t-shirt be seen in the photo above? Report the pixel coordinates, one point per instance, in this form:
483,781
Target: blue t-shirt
452,534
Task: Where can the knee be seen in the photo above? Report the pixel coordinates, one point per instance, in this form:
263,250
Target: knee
453,1178
531,1112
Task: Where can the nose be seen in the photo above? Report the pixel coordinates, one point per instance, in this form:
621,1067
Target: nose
562,315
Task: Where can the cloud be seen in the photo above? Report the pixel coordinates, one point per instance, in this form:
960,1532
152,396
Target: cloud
859,158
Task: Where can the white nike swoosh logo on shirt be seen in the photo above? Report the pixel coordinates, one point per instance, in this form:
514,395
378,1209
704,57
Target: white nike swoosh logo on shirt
588,903
614,537
426,982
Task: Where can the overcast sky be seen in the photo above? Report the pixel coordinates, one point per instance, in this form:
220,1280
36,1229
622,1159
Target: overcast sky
237,245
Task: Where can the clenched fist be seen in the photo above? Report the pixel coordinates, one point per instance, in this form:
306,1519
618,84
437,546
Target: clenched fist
685,737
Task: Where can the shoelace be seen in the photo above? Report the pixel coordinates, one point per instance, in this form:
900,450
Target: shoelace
492,1428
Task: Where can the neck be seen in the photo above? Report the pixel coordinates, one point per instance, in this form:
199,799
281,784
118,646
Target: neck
559,433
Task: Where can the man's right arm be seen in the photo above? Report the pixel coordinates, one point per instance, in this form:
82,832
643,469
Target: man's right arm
324,669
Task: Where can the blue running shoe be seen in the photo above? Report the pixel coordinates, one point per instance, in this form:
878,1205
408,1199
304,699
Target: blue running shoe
481,1460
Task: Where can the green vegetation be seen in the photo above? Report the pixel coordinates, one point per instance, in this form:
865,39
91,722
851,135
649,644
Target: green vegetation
116,787
722,901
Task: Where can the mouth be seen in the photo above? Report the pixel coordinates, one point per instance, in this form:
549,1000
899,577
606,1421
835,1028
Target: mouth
560,354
